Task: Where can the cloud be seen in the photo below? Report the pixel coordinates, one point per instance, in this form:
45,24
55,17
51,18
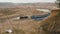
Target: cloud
26,1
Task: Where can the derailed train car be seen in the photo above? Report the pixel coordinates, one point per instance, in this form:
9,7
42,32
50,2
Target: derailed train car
39,17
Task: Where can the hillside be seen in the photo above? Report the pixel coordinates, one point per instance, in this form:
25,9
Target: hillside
24,5
51,24
8,20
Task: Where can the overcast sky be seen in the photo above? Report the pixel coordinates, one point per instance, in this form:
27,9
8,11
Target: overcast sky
26,1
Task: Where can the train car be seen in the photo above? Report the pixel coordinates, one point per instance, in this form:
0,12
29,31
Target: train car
39,17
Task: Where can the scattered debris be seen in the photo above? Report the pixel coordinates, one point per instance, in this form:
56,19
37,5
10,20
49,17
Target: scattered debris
9,31
23,17
17,18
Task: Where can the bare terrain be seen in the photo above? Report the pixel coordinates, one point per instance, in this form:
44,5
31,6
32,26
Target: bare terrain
27,26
